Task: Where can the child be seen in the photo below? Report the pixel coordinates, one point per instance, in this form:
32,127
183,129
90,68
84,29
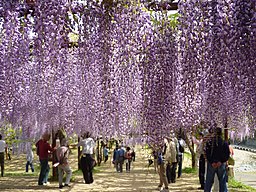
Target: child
30,157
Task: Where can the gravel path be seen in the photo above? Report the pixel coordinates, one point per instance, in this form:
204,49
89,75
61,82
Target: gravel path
140,179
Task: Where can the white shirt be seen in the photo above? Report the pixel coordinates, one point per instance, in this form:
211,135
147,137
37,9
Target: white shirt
30,155
88,145
182,143
2,146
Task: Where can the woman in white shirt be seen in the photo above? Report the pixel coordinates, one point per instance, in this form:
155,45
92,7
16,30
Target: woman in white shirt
87,161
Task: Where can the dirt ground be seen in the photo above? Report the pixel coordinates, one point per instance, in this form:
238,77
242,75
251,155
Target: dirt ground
141,178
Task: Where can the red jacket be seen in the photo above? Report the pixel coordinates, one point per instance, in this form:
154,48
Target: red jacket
43,147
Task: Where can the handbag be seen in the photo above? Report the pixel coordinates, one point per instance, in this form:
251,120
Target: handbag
231,161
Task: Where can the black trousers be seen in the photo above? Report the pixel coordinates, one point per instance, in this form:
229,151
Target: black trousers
87,167
2,163
173,172
106,158
201,170
168,172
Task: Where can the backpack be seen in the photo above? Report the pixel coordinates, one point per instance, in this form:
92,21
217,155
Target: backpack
181,148
160,159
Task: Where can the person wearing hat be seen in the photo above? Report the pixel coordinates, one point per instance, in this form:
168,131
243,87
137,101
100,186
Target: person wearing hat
62,154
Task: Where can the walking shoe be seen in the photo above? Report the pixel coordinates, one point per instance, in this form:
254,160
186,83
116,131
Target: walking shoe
67,185
159,187
165,190
61,186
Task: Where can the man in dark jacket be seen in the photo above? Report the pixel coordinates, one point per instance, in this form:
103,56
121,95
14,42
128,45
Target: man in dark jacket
217,154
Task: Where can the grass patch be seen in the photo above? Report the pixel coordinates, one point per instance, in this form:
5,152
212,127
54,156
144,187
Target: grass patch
18,172
189,170
187,155
77,172
239,185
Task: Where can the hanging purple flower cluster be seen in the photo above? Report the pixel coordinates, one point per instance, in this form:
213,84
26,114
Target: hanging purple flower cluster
216,63
13,63
130,72
159,81
95,86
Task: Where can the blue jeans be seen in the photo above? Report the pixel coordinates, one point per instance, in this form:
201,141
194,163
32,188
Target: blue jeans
44,172
221,173
31,165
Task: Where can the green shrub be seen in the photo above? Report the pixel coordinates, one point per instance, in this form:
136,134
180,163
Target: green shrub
188,170
232,183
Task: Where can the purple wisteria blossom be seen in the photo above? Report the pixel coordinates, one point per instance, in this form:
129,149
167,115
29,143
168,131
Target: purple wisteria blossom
129,73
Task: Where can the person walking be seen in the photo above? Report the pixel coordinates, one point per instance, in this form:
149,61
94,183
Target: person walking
181,150
217,154
120,158
128,157
105,153
42,151
87,161
2,151
163,158
62,154
173,159
30,157
8,152
115,157
154,154
133,153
